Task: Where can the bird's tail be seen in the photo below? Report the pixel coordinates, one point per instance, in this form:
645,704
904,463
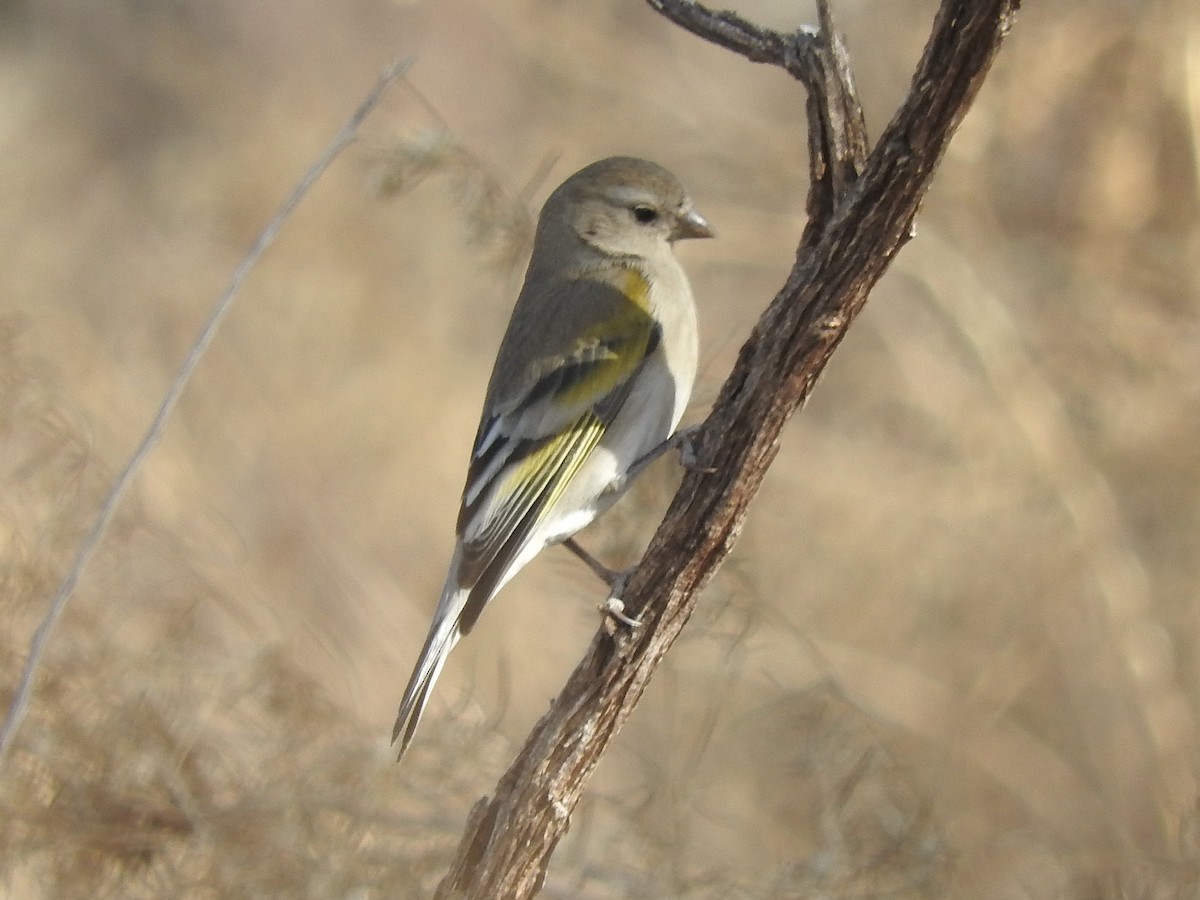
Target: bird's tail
443,635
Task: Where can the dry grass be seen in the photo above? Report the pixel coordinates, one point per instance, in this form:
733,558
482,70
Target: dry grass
958,651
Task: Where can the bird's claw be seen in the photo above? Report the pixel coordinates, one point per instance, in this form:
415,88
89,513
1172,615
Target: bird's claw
614,610
685,439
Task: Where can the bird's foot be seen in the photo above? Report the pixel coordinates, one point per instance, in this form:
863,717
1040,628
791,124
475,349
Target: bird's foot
685,441
613,608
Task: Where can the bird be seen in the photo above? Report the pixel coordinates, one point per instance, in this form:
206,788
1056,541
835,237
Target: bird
591,379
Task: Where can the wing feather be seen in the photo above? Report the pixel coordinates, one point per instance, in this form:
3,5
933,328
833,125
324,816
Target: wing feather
537,438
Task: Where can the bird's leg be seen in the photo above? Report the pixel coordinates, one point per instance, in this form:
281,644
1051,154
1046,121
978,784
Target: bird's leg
607,575
683,440
613,607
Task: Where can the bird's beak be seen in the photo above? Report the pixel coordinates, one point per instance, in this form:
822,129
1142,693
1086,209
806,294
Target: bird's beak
690,224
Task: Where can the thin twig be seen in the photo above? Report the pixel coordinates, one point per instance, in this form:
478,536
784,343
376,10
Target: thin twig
729,30
41,637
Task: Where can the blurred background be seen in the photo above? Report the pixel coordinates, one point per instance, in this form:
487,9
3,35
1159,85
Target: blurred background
955,653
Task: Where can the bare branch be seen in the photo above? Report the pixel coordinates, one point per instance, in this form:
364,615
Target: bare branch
41,637
861,212
837,137
731,31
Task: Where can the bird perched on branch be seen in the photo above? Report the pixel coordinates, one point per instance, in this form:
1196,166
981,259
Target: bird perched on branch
592,376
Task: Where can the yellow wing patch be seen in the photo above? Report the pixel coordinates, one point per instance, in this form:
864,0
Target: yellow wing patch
615,347
556,463
526,495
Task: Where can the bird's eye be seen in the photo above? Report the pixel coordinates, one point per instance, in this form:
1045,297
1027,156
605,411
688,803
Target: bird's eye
645,214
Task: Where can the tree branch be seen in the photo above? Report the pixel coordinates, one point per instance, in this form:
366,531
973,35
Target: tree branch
861,213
